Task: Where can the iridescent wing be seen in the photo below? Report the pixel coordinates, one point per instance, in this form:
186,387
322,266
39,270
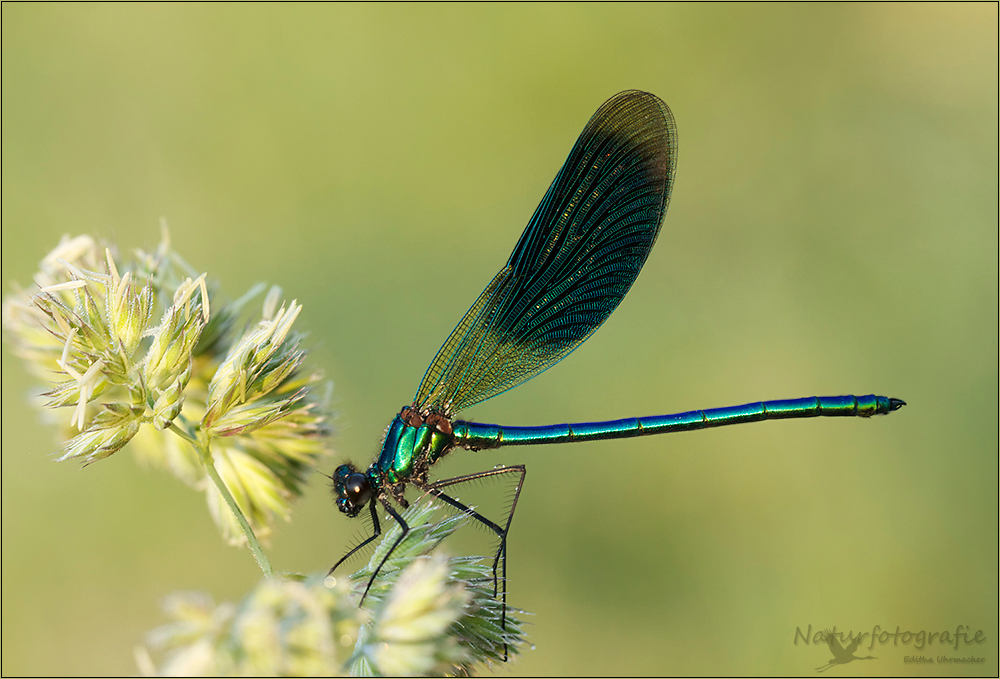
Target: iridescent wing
575,261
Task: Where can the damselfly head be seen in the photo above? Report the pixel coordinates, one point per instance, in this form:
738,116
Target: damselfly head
352,488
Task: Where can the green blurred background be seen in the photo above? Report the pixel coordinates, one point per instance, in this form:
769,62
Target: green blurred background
833,230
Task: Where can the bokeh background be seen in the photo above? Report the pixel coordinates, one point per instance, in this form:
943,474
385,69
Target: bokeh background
833,229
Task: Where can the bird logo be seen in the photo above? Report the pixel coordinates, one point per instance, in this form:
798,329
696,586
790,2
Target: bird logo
841,655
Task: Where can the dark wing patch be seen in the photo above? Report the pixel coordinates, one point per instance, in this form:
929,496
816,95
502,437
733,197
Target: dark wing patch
577,258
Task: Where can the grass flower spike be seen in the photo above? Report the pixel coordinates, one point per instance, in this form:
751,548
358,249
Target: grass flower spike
144,352
428,615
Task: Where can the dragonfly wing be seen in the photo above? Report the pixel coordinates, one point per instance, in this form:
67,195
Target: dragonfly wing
577,258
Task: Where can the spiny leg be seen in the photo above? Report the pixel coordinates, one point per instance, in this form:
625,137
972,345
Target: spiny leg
406,530
465,509
444,483
435,487
378,531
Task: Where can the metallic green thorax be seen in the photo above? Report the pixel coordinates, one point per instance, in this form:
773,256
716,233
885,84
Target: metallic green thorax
407,448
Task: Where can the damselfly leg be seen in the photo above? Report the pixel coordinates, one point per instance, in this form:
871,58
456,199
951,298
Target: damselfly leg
501,553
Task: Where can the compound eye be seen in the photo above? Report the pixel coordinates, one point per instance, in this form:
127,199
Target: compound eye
343,473
359,489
